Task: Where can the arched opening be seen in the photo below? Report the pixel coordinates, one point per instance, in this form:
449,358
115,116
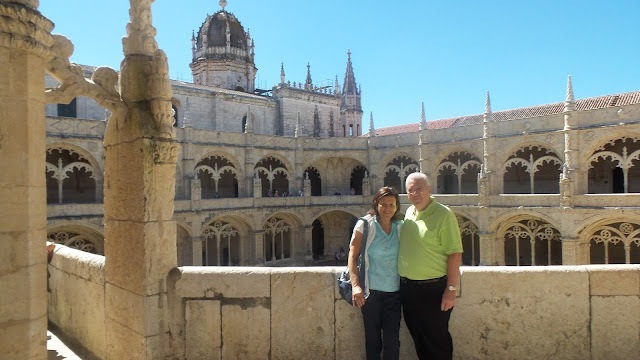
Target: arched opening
218,177
277,239
458,174
70,178
175,115
615,243
357,177
532,242
397,171
315,180
317,240
222,244
532,170
274,176
615,167
470,241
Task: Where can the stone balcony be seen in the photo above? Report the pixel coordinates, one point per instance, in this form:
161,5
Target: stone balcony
554,312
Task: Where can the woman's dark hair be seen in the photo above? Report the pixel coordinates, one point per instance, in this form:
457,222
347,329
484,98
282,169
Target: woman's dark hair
384,191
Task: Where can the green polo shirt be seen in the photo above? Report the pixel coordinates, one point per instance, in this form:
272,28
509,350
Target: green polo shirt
426,241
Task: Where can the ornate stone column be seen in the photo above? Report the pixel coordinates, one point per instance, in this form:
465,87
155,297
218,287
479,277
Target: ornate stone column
140,168
25,47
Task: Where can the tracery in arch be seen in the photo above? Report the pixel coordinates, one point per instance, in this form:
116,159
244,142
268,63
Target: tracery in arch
77,239
458,174
615,167
532,170
397,171
218,177
274,176
277,239
615,243
222,241
313,175
532,242
70,177
470,241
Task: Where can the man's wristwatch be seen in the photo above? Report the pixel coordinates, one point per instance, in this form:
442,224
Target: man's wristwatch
452,288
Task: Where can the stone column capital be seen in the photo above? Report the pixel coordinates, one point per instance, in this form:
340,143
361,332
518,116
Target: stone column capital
24,28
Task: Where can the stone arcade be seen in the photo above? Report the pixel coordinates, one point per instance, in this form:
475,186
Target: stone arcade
545,185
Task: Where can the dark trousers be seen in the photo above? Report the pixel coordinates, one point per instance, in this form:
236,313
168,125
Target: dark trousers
381,315
428,325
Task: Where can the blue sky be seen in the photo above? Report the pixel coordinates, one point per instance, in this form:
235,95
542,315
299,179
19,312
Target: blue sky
446,54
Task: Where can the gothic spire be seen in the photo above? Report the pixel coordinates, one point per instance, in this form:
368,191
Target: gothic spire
423,119
281,73
569,102
349,86
372,130
308,83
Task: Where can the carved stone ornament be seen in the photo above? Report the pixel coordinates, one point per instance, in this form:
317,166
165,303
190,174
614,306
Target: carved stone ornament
23,27
165,152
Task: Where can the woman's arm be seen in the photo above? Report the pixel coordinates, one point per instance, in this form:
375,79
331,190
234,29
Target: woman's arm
354,251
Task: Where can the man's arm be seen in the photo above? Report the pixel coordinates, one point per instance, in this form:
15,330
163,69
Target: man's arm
453,276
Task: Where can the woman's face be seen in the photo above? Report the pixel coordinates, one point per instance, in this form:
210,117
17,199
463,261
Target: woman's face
387,208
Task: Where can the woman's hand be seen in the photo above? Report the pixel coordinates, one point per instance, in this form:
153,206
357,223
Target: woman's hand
357,297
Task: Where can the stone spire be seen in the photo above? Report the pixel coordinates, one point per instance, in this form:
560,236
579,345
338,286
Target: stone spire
282,73
569,102
193,43
308,84
351,105
488,115
350,87
423,119
372,130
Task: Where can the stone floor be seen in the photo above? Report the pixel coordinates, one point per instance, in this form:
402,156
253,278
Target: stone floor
57,350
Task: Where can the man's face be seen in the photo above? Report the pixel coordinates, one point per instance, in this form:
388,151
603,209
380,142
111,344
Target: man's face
419,193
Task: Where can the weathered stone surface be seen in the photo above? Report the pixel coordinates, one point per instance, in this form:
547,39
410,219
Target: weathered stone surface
228,282
302,304
203,329
139,265
77,300
122,342
349,331
142,314
543,310
614,279
245,330
615,327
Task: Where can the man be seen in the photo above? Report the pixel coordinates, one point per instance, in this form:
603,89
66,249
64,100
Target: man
429,267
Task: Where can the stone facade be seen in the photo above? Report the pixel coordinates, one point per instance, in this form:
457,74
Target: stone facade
546,185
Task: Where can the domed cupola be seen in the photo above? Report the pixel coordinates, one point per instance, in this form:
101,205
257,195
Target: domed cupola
223,53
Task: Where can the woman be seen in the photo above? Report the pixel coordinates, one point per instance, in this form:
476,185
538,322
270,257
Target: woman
378,296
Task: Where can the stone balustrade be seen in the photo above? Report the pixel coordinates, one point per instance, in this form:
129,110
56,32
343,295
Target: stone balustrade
559,312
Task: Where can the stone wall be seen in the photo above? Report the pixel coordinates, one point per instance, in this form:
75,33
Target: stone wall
76,301
568,312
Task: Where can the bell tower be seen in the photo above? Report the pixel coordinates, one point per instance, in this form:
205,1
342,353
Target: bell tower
223,53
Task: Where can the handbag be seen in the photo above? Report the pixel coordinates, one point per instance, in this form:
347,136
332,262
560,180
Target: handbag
344,280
